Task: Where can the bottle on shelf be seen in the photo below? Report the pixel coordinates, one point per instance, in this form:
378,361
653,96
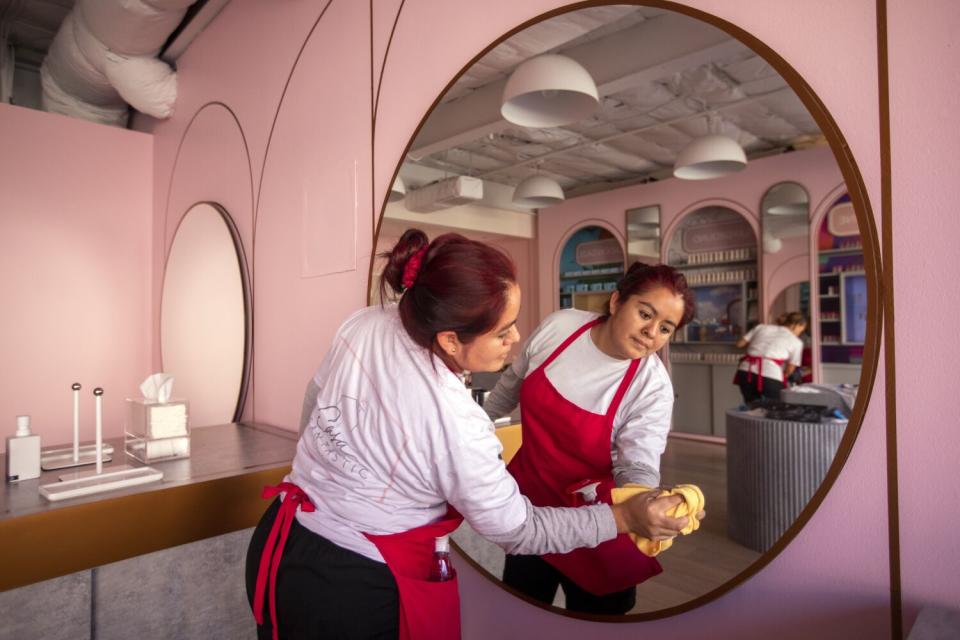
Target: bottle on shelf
441,569
23,453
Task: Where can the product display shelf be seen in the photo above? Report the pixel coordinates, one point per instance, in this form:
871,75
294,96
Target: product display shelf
597,273
837,266
706,265
841,252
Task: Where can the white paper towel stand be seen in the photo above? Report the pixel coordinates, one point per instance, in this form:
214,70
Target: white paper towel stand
84,483
54,458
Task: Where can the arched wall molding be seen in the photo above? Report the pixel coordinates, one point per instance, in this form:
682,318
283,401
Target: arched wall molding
726,203
220,189
276,113
789,272
175,217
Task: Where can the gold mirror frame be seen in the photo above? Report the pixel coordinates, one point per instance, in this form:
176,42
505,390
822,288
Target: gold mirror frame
871,250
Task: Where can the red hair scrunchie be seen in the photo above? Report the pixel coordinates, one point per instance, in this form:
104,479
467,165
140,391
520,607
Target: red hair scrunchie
412,268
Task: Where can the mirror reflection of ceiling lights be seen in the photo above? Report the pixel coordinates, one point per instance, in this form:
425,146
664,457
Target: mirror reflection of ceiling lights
602,98
549,91
787,198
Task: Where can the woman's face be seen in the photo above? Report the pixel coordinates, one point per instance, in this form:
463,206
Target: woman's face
643,323
488,351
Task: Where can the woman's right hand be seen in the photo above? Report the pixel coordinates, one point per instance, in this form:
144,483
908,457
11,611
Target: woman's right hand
645,514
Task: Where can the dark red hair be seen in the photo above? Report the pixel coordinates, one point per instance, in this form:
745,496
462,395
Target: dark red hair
461,285
641,278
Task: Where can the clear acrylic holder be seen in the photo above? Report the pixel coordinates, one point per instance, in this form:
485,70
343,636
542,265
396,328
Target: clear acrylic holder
53,459
148,450
157,420
89,482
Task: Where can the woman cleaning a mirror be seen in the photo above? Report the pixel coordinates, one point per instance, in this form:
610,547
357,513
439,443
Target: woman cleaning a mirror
396,450
774,351
596,405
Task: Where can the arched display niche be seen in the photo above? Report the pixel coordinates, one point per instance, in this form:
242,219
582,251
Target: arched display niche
855,187
557,276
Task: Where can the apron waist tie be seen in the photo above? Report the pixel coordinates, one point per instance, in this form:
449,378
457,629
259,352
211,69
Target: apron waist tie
270,559
758,361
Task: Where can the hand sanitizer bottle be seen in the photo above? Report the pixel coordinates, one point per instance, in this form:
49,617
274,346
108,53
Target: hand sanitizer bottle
23,453
441,570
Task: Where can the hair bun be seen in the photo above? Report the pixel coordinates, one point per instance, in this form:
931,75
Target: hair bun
412,243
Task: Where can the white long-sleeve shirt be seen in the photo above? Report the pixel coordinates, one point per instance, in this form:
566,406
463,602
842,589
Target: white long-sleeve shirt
394,436
589,378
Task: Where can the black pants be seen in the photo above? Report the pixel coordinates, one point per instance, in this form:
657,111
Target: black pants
748,387
324,591
535,577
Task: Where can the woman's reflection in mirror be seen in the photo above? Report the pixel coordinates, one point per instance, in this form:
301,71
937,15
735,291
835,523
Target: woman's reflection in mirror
596,404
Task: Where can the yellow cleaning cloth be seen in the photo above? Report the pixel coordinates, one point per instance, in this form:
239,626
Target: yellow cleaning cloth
693,503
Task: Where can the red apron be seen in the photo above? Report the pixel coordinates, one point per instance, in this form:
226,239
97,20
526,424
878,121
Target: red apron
565,447
758,361
428,610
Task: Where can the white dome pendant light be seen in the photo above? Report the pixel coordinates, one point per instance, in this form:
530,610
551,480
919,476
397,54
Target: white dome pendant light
788,198
398,191
710,156
771,244
550,90
537,192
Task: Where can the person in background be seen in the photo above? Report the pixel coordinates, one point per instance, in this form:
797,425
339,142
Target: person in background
596,404
396,454
774,351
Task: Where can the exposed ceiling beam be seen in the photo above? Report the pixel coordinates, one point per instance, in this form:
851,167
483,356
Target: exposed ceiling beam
646,52
622,134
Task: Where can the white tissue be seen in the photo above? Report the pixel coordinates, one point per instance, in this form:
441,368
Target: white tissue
157,388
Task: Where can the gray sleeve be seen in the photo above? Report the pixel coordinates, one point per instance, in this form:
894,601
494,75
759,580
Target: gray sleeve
636,473
640,436
558,530
506,395
309,403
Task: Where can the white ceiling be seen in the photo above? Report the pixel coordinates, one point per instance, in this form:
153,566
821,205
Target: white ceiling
659,74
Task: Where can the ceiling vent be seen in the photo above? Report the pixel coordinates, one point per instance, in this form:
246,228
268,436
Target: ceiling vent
445,194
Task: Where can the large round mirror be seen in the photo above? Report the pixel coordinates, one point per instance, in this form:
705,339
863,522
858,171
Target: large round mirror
204,316
665,81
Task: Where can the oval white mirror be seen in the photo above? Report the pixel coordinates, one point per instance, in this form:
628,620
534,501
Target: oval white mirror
204,318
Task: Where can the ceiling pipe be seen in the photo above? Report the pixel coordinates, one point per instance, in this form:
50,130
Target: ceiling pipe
103,59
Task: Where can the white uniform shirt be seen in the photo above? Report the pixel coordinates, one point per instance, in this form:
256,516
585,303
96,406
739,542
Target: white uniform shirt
394,436
589,378
772,341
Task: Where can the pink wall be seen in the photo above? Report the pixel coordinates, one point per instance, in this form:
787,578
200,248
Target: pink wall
924,92
833,580
75,258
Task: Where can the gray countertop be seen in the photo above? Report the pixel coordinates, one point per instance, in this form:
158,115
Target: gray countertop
215,452
214,491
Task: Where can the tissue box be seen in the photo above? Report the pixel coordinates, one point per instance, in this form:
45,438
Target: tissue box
155,420
157,430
